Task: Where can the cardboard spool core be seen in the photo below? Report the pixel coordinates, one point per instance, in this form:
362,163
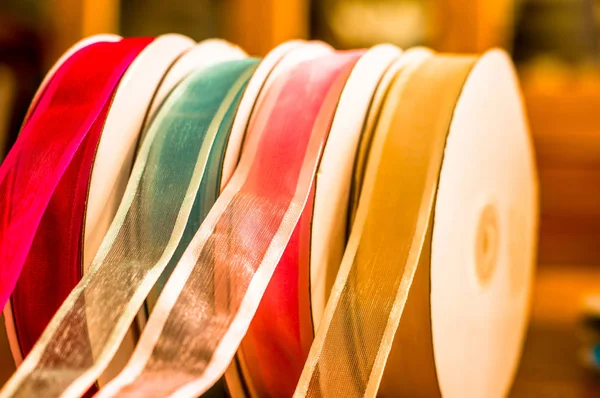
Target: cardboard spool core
486,244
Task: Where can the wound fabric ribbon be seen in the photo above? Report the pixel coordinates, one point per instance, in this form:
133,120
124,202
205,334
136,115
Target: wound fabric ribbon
47,173
273,353
376,336
392,225
214,291
387,241
175,179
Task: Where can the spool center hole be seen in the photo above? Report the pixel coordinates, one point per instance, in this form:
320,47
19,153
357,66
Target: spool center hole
486,244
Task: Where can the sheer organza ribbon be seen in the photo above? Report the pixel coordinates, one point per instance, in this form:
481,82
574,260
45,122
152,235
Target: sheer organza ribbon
274,349
175,179
46,175
208,303
390,242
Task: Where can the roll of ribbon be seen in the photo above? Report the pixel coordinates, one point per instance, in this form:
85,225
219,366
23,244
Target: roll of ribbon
203,55
206,54
236,384
8,334
7,320
199,321
270,66
191,128
156,72
273,353
10,347
52,270
53,156
434,284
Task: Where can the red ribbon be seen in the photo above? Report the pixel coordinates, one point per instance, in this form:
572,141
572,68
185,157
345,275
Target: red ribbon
44,184
277,343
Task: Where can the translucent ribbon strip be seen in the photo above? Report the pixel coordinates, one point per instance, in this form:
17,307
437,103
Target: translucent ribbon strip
46,175
202,316
274,349
173,183
390,238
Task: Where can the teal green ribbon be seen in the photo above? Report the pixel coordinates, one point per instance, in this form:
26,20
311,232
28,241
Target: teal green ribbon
175,180
182,116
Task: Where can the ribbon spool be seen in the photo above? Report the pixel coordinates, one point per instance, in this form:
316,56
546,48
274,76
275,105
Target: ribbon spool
261,205
14,353
167,65
60,168
124,123
254,94
161,78
113,159
204,55
55,349
7,321
305,275
111,166
5,350
449,209
292,53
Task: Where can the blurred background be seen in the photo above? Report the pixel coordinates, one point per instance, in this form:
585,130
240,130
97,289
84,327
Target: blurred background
554,43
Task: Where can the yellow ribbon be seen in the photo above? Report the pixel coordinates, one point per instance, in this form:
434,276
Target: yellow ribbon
376,334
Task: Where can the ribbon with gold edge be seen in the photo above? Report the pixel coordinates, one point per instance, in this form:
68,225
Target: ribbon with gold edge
184,146
376,337
50,164
46,277
200,320
272,353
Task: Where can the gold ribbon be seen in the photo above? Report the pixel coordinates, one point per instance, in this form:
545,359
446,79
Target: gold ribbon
376,334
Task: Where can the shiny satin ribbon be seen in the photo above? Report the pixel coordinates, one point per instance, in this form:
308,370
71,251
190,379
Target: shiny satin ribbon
48,172
200,319
173,181
387,256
